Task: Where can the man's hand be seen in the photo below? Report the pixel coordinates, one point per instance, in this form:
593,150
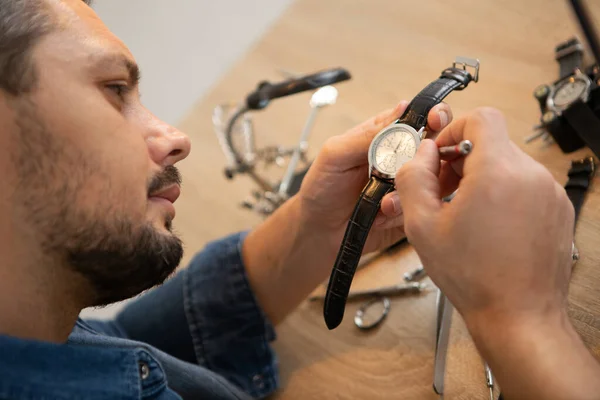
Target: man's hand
332,186
501,252
295,248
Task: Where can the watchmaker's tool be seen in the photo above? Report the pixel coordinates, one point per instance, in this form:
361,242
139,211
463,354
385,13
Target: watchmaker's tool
450,153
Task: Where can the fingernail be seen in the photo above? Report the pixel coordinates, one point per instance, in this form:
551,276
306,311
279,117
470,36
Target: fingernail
443,117
396,204
379,220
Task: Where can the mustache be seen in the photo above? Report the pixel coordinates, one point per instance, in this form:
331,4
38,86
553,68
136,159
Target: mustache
169,176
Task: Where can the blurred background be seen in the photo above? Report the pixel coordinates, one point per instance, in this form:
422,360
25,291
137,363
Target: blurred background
184,46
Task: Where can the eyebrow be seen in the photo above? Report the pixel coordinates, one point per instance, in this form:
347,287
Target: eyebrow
134,72
110,61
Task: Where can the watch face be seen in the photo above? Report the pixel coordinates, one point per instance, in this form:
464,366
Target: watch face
569,91
393,147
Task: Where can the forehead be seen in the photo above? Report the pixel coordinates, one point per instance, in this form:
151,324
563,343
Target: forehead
82,33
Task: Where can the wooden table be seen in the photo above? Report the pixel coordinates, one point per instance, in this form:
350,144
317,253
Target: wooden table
393,49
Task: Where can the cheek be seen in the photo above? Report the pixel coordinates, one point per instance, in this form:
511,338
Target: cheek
113,162
107,149
124,159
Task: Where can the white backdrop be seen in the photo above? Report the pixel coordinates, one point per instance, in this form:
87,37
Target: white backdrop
183,46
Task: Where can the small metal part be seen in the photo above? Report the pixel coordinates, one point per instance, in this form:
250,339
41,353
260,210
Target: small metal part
574,254
489,380
535,136
359,318
468,62
548,139
541,91
415,274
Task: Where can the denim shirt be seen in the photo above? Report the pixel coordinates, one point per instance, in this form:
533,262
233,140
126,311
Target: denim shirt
201,335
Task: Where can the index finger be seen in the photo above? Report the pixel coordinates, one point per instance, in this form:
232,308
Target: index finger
484,127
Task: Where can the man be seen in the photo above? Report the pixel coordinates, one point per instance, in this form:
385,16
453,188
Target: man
88,186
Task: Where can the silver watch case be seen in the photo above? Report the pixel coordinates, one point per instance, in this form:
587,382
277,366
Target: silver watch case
578,75
418,136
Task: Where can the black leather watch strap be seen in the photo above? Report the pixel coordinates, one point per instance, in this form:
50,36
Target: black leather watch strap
352,246
569,56
587,125
580,177
451,79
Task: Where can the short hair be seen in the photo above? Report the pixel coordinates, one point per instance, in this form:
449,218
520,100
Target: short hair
22,24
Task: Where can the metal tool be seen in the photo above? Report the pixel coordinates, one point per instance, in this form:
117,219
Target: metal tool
489,380
372,257
362,323
442,337
415,274
325,96
395,290
450,153
236,135
444,322
540,133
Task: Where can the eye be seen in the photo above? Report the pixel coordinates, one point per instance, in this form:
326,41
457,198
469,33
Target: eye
119,89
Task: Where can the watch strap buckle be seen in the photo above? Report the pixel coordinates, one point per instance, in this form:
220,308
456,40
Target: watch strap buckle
465,62
567,48
585,166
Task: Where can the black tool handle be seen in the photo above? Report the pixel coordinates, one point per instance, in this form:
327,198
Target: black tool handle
267,91
585,21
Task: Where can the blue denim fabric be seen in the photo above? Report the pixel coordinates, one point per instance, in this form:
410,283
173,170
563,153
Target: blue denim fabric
201,335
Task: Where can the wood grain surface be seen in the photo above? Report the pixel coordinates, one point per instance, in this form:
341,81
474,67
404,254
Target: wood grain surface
393,49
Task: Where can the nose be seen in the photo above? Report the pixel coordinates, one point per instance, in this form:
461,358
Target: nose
166,144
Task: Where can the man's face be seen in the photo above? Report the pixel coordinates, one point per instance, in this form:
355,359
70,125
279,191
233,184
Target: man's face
93,168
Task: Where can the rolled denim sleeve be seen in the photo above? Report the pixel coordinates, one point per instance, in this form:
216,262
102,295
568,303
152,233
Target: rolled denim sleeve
230,332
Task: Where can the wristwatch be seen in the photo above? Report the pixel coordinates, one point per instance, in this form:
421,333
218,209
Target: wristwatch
573,88
390,149
570,104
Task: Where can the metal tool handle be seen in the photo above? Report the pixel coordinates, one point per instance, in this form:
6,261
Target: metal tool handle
291,170
388,291
443,339
587,26
408,288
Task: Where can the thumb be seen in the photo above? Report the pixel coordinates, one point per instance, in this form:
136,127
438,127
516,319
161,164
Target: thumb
418,188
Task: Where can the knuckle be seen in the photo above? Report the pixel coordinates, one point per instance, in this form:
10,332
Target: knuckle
329,148
488,114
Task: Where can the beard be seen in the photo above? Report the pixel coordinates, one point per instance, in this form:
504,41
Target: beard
118,254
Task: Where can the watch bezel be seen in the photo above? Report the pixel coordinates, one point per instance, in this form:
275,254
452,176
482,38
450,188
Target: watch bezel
372,165
578,75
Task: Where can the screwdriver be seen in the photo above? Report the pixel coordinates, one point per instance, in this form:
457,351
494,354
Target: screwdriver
451,153
489,380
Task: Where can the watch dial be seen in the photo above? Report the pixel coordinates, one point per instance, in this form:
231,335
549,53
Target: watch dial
569,92
393,148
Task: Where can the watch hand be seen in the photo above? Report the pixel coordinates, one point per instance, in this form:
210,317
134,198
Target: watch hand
397,147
